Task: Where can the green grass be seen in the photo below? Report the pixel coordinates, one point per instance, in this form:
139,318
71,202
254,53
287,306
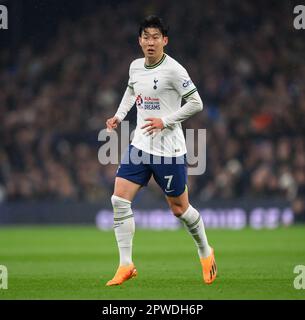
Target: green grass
75,263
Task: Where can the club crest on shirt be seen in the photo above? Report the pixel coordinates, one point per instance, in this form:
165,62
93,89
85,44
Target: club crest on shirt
155,81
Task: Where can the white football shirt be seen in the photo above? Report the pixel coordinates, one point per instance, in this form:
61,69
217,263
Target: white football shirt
158,91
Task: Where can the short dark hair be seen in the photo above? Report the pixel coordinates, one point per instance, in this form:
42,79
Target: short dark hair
153,22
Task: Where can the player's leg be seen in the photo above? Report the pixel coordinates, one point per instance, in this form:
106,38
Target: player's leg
172,179
124,223
124,228
125,188
128,181
193,222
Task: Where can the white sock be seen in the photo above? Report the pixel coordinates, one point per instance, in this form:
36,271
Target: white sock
194,224
124,228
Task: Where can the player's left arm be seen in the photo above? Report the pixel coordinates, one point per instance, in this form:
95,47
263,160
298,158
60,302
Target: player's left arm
192,106
187,90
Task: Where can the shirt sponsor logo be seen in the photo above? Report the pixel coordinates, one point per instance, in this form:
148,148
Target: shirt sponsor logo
147,103
139,102
151,103
186,83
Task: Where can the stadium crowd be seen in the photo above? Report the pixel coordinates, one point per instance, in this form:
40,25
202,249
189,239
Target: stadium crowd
245,58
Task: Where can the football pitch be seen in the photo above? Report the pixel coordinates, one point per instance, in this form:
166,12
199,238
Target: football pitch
71,262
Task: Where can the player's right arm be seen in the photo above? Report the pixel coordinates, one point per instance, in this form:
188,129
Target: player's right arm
112,123
126,104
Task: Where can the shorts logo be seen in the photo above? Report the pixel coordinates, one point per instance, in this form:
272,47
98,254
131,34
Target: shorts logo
186,83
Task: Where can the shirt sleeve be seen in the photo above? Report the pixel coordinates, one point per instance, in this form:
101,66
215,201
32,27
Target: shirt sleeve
128,99
182,82
188,91
193,105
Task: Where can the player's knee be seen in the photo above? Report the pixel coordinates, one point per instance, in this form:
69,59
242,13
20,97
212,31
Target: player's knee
120,204
176,209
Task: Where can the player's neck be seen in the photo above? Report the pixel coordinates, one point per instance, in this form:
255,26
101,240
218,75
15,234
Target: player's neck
149,61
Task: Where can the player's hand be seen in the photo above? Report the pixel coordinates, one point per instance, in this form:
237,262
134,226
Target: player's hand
153,125
112,123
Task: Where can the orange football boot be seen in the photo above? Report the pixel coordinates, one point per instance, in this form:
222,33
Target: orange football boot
209,268
123,274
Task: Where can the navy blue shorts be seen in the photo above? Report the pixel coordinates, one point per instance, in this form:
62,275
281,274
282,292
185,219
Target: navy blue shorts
170,173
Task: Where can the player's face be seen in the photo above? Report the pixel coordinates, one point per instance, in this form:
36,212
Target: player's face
152,43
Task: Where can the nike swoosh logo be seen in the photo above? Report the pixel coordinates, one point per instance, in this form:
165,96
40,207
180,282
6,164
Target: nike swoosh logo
169,190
